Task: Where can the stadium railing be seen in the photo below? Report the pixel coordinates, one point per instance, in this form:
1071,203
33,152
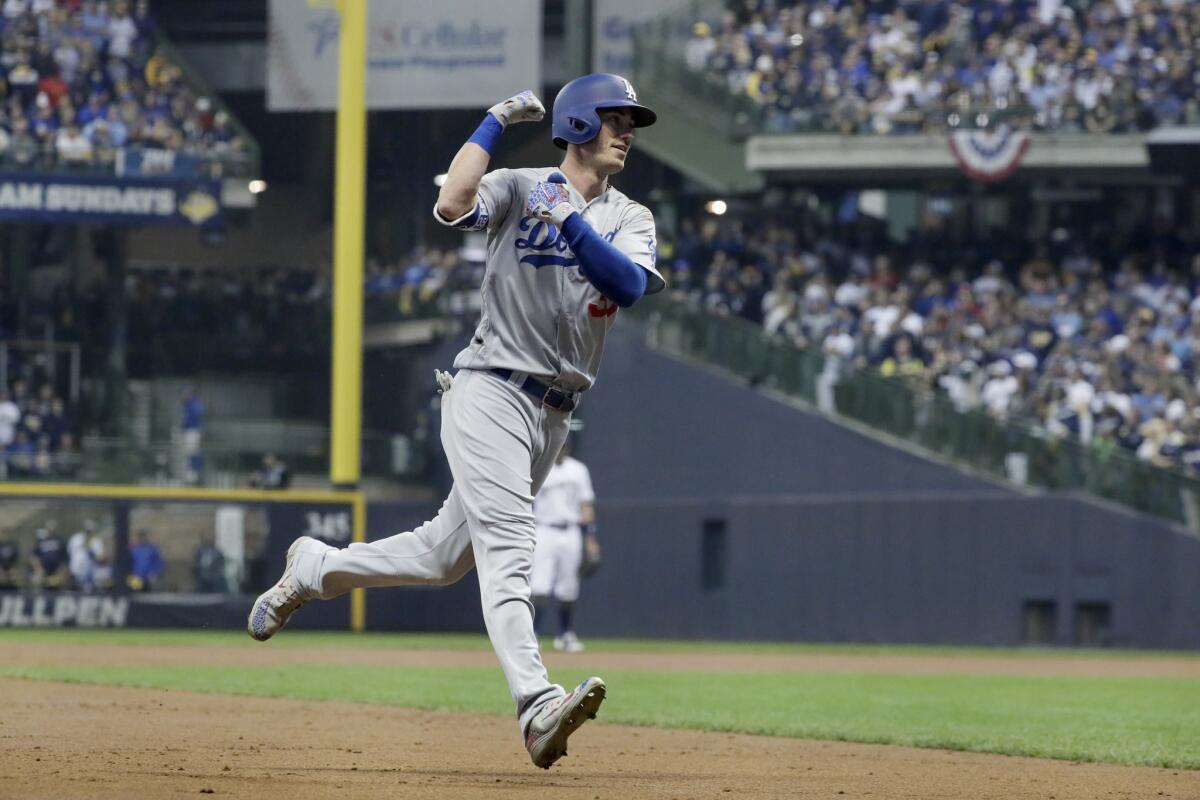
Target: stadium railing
917,414
228,460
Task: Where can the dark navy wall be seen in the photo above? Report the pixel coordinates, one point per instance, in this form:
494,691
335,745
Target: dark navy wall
888,569
656,427
892,570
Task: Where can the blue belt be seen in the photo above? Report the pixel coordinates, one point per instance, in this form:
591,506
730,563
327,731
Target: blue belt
546,394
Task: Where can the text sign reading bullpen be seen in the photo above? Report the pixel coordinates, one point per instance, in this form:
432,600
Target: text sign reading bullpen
78,198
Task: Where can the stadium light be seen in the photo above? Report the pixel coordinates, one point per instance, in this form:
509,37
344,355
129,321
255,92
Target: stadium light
257,186
716,207
439,180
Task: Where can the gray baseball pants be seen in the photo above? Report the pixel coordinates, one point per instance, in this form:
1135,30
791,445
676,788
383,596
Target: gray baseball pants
500,443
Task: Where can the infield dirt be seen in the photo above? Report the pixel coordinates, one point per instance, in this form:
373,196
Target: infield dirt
97,742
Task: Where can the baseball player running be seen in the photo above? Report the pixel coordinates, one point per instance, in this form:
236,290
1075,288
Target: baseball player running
565,251
565,517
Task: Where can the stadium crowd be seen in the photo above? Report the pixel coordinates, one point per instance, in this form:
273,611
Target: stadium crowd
1080,335
38,433
924,66
179,318
81,80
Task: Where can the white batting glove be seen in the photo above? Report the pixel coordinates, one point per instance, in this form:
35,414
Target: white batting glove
550,200
523,107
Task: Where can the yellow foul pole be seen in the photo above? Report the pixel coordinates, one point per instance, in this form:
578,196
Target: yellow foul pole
348,217
349,211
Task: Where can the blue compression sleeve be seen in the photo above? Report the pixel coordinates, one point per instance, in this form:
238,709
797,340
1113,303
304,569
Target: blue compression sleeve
487,134
607,268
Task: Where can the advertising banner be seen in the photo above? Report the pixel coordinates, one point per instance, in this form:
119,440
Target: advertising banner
38,197
62,610
420,53
613,23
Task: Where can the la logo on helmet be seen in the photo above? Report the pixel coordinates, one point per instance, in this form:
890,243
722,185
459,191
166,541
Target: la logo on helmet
630,94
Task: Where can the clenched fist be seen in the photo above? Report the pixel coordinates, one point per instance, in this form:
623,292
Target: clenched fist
550,200
523,107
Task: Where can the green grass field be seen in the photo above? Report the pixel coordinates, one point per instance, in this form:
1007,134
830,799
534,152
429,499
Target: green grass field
472,641
1148,721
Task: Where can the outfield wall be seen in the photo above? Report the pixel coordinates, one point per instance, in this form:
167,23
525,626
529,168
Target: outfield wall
904,568
725,514
971,571
932,569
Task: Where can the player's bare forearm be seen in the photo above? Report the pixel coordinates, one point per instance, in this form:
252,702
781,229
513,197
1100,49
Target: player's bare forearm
457,196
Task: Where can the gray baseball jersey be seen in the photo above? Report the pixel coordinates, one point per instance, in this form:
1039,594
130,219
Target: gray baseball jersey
540,315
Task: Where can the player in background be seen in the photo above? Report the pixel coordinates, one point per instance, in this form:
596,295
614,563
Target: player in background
79,557
10,557
565,250
48,560
565,517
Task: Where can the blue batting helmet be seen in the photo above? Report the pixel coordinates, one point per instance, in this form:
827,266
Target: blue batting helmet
575,108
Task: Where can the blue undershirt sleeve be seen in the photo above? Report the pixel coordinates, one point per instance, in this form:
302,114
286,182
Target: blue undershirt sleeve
487,134
608,269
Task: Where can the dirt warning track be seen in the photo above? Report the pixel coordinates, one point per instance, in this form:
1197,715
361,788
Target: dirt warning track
96,742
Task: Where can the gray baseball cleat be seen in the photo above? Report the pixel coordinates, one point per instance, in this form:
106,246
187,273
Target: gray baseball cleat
276,605
546,739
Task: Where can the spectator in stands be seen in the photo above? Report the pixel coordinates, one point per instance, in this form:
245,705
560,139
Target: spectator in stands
700,46
55,421
99,545
67,460
208,567
15,8
10,557
44,123
73,148
122,31
48,564
20,454
10,415
79,557
23,79
146,563
273,474
902,362
191,423
23,148
43,459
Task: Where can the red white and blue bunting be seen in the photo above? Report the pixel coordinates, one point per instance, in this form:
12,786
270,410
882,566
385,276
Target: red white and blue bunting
989,155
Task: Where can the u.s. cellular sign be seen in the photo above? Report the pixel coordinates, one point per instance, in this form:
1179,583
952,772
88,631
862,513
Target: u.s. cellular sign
68,198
